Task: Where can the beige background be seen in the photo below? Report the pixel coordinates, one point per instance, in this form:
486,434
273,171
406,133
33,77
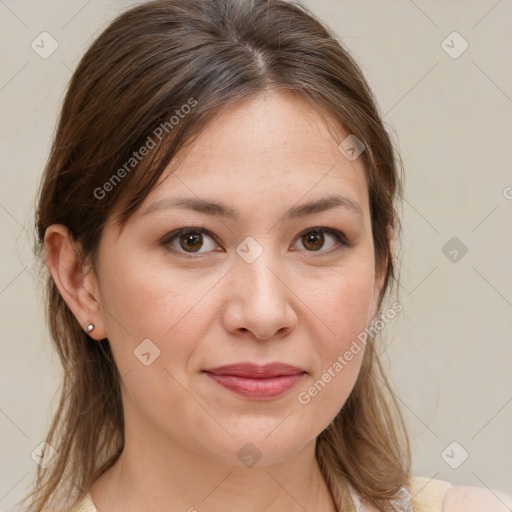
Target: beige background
450,349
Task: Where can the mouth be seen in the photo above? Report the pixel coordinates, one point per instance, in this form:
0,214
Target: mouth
257,382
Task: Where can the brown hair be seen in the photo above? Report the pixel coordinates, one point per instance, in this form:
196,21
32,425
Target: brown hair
138,74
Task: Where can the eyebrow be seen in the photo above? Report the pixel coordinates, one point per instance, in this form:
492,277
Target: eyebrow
221,209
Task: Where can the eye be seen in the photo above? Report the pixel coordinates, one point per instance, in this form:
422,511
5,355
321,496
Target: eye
314,239
188,240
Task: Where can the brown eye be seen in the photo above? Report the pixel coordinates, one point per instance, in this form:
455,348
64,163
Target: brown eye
189,241
314,239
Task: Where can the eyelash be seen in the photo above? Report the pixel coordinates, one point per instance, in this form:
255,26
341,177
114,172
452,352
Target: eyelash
338,235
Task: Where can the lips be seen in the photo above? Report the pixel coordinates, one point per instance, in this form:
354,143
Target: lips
257,382
254,371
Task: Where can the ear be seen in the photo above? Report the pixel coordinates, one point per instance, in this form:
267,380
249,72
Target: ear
74,279
380,276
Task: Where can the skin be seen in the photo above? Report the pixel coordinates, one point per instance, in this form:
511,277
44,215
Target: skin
297,303
464,498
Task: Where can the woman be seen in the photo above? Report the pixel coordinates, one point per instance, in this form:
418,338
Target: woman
217,217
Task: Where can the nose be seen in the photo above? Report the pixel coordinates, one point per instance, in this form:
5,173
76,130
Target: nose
259,300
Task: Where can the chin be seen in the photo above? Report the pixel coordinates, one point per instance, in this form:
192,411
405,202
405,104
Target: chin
251,448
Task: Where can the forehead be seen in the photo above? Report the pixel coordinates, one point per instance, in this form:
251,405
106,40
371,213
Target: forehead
269,150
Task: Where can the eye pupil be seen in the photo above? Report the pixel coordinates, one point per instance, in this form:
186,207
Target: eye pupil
193,238
314,238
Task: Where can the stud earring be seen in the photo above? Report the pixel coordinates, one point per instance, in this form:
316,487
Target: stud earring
90,327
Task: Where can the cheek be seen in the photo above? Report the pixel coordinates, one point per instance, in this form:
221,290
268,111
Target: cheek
151,334
153,302
343,303
350,304
343,308
147,300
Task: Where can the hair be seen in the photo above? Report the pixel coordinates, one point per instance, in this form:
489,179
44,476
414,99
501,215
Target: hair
166,60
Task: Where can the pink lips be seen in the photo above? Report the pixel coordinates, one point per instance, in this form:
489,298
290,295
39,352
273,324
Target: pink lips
259,382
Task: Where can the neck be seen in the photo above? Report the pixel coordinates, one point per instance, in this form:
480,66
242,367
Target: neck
154,473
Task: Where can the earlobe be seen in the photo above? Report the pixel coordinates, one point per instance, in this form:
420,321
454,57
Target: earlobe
76,283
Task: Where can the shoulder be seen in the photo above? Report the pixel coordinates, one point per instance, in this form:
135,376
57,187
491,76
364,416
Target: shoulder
432,495
463,498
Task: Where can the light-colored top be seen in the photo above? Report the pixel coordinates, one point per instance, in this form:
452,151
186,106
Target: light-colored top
424,495
428,494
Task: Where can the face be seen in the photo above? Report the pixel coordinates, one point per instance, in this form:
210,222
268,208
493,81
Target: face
262,281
